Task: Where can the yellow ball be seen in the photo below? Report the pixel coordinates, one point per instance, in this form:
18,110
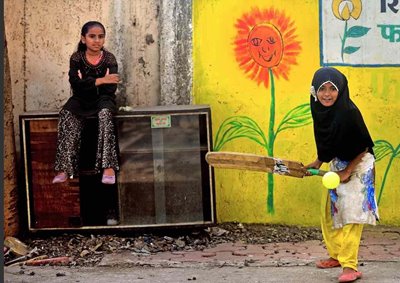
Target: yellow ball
331,180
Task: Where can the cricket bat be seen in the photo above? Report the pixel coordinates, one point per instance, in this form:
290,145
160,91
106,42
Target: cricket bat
260,163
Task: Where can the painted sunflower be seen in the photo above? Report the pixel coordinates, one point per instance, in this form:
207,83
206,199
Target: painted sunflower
266,40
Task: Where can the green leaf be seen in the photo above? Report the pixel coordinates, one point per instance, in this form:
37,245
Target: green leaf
397,152
357,31
350,49
297,117
382,148
239,127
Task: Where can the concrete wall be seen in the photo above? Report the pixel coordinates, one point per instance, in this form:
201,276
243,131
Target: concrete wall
151,40
42,34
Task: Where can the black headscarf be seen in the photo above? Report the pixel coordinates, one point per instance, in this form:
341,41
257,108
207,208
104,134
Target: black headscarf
339,129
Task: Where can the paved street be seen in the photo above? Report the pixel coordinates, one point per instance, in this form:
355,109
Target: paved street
230,262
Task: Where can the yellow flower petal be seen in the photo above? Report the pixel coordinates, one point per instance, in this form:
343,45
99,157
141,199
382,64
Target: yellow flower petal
346,12
335,9
357,7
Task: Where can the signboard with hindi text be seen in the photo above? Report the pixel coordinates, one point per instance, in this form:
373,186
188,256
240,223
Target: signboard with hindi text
360,33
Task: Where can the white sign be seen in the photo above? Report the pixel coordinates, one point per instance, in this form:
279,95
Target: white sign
360,33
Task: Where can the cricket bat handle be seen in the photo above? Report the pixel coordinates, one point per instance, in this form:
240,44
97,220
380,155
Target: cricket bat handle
317,172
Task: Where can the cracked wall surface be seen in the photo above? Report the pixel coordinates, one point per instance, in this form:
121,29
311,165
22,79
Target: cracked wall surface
151,40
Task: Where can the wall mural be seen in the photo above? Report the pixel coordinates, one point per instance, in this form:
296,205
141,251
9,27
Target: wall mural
370,33
344,12
382,149
266,47
379,17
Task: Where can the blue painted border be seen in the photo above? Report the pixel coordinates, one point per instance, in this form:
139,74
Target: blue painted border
321,49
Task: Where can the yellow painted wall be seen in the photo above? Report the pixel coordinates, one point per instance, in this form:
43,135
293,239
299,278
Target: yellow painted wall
220,82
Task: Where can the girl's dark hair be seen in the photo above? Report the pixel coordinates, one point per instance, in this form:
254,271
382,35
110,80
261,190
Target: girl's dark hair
85,30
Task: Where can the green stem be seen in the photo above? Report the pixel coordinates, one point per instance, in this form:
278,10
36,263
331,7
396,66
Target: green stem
271,134
344,39
270,148
394,154
384,178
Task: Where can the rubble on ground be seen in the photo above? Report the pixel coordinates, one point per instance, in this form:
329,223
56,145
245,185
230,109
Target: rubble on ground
88,250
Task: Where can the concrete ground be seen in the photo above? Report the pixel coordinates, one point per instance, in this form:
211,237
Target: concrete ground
229,262
376,272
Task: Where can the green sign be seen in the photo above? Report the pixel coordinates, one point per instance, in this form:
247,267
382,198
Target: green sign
161,121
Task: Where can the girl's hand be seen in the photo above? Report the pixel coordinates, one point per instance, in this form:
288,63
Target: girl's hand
344,175
346,172
314,165
108,79
79,74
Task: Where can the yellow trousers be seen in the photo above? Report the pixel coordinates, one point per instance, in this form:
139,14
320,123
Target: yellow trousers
343,243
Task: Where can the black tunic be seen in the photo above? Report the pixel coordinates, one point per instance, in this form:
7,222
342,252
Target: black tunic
87,99
339,130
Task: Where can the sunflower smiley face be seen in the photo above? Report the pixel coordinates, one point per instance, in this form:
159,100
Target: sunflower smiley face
265,45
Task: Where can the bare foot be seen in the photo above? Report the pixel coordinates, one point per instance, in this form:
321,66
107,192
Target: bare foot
109,172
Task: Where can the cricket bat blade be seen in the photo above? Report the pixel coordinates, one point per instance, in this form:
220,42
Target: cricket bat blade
254,162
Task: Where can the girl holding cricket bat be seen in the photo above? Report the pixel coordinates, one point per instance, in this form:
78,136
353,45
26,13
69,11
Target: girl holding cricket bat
342,139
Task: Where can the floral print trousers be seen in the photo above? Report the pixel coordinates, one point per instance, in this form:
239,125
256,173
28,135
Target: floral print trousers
69,140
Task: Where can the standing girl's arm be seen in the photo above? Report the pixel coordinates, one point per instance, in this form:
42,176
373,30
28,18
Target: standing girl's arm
346,172
314,165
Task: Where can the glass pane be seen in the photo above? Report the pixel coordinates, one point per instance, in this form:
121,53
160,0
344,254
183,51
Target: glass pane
161,170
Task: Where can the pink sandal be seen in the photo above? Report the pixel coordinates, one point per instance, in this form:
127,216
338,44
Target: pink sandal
350,277
108,180
60,178
327,263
